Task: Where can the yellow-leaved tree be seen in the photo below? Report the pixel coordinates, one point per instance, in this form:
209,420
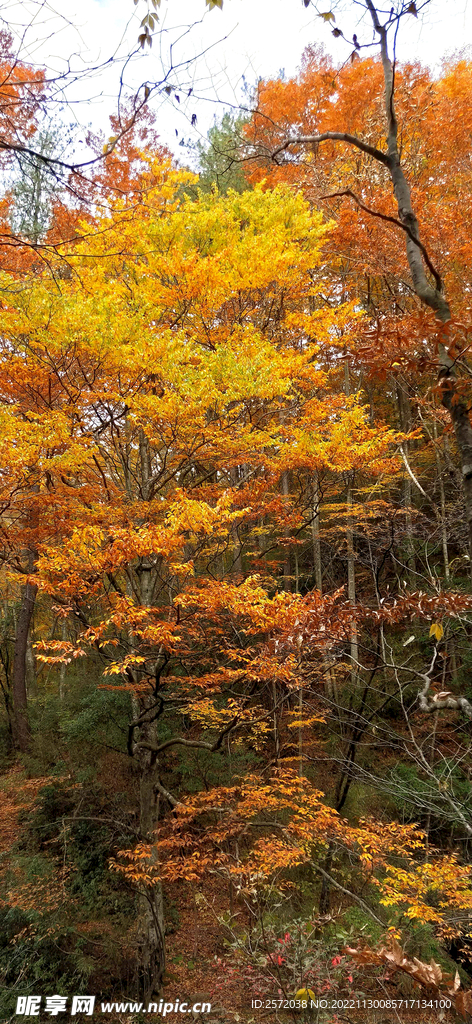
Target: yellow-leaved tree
178,379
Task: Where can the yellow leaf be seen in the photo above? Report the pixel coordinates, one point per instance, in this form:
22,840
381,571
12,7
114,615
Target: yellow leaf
436,630
304,994
327,16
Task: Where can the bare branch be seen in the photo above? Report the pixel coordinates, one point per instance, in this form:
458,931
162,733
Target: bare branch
182,742
352,140
347,892
444,699
167,794
398,224
413,477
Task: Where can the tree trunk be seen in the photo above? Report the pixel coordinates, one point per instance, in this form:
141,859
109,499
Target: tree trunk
21,731
351,565
442,500
404,411
151,918
276,724
315,530
285,484
62,670
152,923
237,566
325,891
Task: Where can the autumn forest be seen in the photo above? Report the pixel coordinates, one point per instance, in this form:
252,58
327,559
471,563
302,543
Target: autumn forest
236,540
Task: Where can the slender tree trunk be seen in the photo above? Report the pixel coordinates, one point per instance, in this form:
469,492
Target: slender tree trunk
151,918
342,791
351,580
62,670
21,730
285,481
315,532
276,723
31,681
237,546
404,411
325,891
431,762
442,499
329,679
351,566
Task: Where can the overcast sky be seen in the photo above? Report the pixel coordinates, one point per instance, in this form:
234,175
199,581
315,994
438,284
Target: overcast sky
215,52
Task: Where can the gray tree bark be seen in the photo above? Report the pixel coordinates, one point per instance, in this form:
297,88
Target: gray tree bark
404,411
315,531
21,730
152,956
152,924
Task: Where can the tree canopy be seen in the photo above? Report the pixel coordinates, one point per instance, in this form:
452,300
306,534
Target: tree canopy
236,552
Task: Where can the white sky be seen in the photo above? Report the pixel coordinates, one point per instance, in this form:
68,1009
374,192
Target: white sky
247,40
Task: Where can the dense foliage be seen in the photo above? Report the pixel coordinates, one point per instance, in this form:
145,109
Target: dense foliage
236,608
